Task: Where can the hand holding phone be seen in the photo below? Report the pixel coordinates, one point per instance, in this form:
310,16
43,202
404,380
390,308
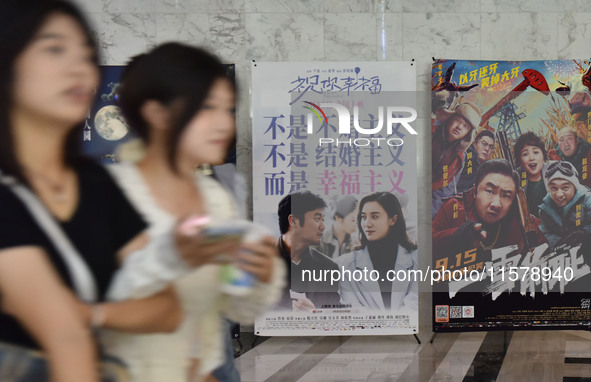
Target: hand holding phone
217,234
199,243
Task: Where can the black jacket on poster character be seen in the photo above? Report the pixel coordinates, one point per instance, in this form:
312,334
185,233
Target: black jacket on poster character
321,293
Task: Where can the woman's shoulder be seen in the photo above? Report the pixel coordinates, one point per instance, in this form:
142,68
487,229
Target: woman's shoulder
220,202
346,259
121,172
131,181
128,177
408,251
96,177
111,173
106,182
12,206
407,258
16,223
89,169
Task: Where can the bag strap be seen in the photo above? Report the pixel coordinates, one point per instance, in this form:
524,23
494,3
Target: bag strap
82,279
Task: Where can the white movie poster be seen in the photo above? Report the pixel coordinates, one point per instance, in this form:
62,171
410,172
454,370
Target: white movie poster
334,177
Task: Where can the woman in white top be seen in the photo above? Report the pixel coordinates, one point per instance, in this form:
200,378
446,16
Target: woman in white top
181,103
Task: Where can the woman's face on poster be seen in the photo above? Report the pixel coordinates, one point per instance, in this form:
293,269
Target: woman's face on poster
532,160
375,221
567,144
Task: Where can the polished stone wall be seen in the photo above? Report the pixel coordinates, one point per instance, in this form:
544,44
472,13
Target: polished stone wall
241,31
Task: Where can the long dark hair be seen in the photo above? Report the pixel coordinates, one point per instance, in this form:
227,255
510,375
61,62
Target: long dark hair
170,72
391,205
19,23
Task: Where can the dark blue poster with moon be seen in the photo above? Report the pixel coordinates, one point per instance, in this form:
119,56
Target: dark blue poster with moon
105,128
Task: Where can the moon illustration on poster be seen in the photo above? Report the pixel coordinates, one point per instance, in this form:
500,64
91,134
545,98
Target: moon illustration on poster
109,123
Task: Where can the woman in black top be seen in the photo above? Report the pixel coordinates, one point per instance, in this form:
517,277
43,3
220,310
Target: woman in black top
48,76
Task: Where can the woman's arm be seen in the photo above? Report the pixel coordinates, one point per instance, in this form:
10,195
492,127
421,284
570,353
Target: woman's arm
146,303
32,292
150,264
159,313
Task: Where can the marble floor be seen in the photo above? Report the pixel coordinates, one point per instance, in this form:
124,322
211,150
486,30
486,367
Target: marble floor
521,356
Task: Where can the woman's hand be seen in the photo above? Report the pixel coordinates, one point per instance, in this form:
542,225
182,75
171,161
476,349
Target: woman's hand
257,258
197,249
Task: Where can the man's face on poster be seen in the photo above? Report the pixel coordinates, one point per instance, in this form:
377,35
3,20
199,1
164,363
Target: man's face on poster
568,144
484,148
494,196
310,232
561,191
457,128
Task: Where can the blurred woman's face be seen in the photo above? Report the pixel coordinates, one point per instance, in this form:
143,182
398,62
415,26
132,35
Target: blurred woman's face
210,133
55,77
375,221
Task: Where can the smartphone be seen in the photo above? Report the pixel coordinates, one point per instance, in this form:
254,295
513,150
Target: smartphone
223,233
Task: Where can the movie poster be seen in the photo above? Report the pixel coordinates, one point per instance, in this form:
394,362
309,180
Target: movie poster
334,178
511,205
104,126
